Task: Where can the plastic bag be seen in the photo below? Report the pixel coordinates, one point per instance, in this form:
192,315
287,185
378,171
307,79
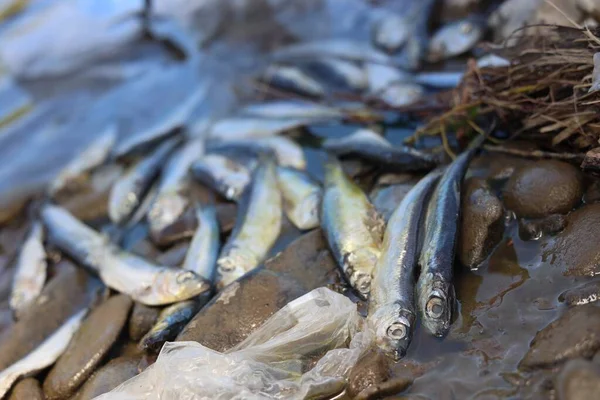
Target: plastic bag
274,362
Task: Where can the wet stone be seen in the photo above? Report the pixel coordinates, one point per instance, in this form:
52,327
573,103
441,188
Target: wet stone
578,380
574,249
482,223
582,294
546,187
243,306
371,369
115,372
71,290
27,389
575,334
532,229
89,345
592,193
387,198
141,320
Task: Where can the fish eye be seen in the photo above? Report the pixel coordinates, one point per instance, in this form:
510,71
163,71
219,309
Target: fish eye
434,307
185,276
397,331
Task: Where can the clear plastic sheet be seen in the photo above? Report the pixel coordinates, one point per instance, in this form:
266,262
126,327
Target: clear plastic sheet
274,362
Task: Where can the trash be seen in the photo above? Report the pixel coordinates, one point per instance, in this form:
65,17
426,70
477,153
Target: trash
270,364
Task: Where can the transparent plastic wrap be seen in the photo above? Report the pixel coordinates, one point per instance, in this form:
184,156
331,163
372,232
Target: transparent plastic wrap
277,361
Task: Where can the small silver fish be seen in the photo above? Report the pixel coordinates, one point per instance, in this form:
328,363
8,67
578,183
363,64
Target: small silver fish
381,76
439,80
285,109
171,321
400,94
30,271
391,32
301,197
331,48
145,282
286,151
91,157
14,100
223,175
392,310
42,356
493,60
371,146
202,254
352,226
293,79
129,191
241,127
435,290
455,38
171,200
338,73
257,226
419,14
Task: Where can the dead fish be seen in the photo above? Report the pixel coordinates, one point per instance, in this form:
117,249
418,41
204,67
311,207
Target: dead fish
286,151
292,79
392,310
439,80
127,273
400,94
241,127
419,15
331,48
223,175
30,271
595,74
257,226
284,109
130,190
391,32
170,322
352,227
171,199
202,254
368,145
301,197
91,157
336,72
381,76
455,38
492,60
435,290
43,356
583,294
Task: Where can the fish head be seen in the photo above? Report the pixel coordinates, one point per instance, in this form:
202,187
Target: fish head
393,326
436,302
166,210
307,213
180,285
233,265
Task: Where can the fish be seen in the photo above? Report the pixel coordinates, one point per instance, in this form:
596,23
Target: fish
392,311
301,197
257,226
400,94
367,144
419,15
286,151
244,127
222,174
346,49
292,79
390,32
202,254
125,272
455,38
493,60
170,322
91,157
352,226
338,73
435,291
42,356
284,109
30,271
130,190
380,76
171,198
14,100
439,80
